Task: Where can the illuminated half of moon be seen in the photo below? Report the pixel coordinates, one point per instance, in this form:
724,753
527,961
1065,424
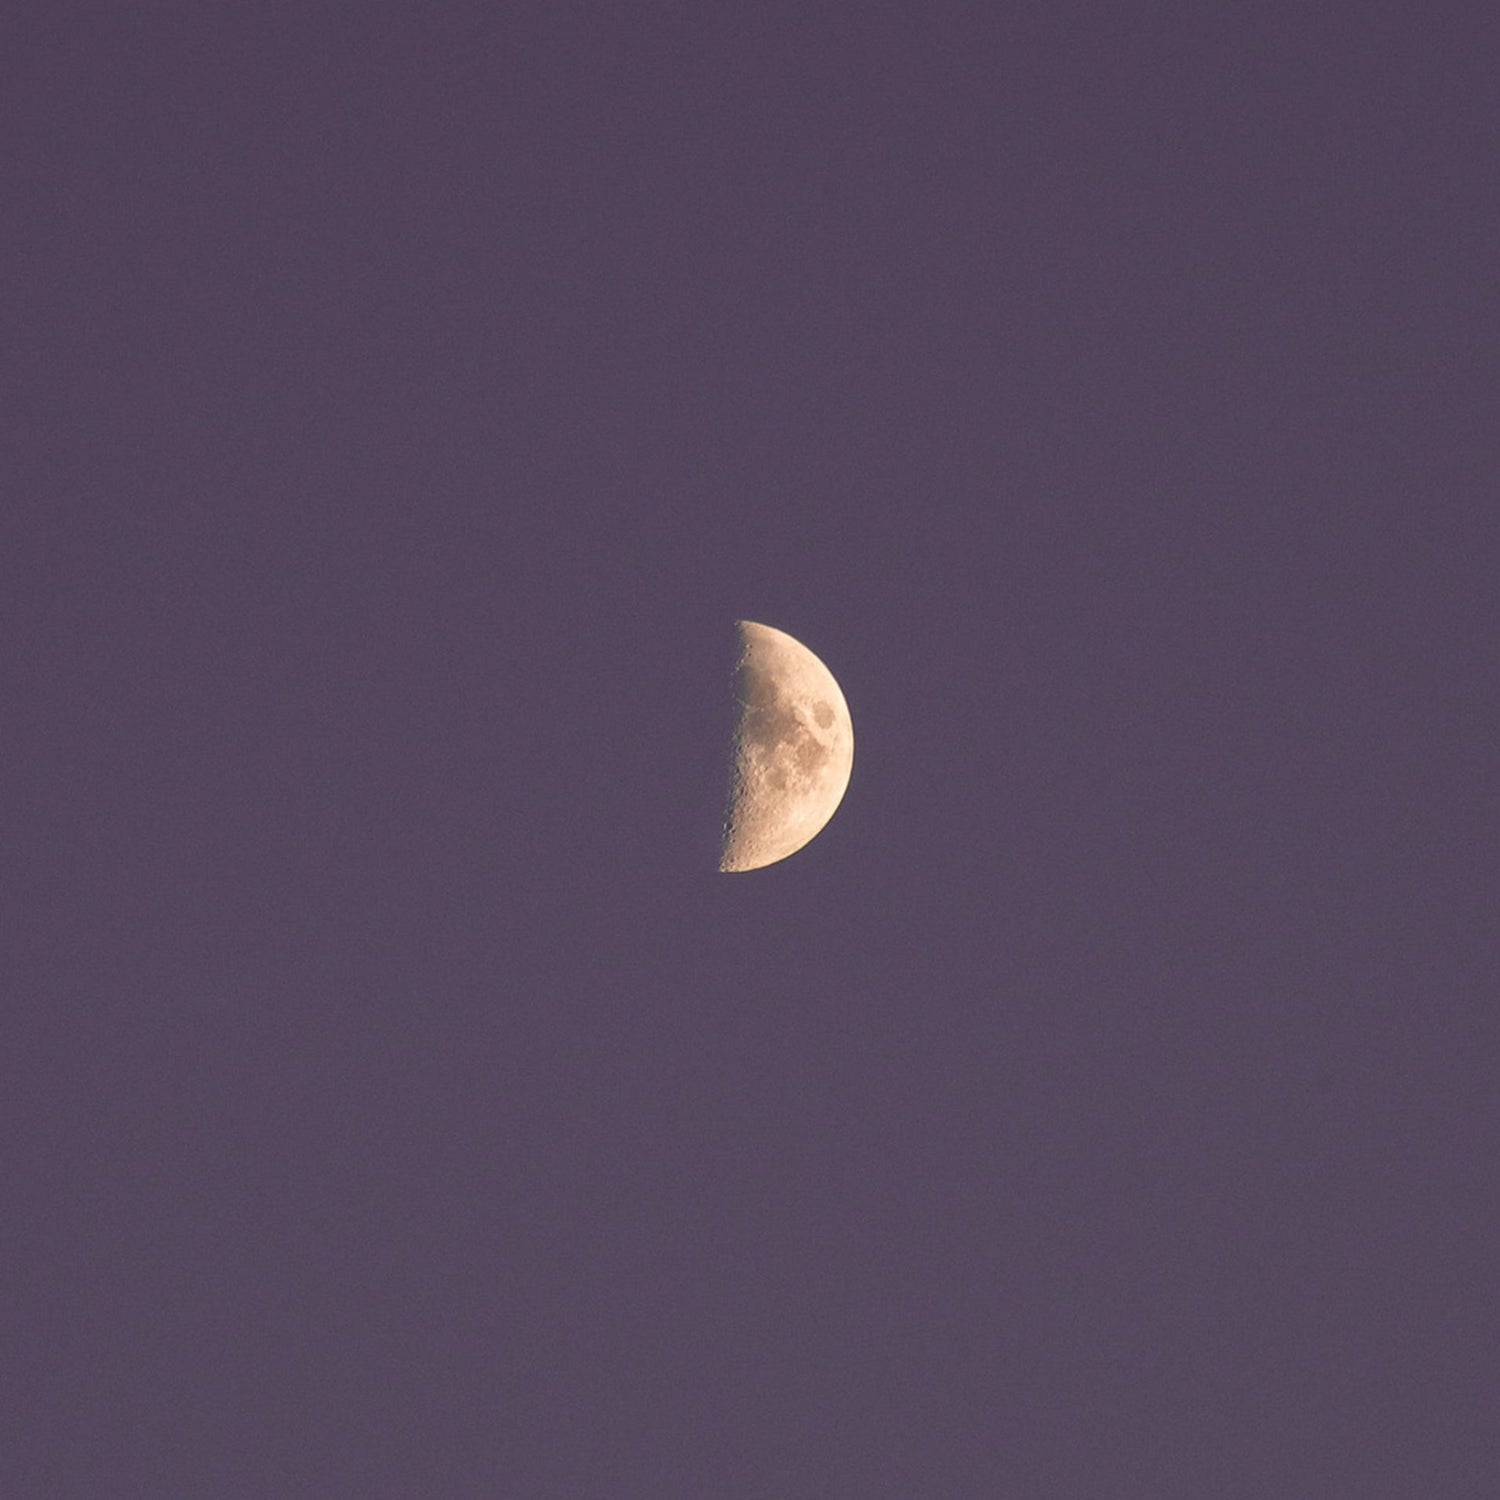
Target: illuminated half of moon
793,749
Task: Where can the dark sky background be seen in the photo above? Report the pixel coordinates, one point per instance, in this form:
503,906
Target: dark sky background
401,403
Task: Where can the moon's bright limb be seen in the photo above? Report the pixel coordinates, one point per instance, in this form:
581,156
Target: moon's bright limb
793,749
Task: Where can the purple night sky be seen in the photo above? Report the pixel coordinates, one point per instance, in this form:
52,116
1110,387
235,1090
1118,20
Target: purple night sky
401,404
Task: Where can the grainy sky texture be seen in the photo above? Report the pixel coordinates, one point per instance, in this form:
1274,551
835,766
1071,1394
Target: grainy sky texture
401,403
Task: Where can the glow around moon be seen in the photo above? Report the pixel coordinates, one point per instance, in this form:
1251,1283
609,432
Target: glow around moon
793,749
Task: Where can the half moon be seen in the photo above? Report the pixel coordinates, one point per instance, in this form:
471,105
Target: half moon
793,749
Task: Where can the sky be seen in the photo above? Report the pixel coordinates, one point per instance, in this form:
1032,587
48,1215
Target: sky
402,403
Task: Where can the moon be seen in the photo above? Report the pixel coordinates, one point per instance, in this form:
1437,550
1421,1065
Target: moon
793,749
